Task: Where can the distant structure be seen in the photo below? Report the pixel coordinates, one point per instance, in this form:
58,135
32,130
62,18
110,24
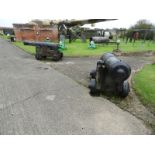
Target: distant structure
93,32
36,30
6,30
54,30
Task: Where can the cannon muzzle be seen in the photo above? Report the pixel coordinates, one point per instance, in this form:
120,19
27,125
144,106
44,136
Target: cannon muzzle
118,69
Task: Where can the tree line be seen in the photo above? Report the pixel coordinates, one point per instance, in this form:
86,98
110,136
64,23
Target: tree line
143,30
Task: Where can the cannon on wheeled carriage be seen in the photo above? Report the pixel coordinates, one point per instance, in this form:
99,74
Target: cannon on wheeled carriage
46,49
110,76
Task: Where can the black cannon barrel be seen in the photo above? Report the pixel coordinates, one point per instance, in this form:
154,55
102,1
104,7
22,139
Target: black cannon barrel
47,44
100,39
110,76
118,69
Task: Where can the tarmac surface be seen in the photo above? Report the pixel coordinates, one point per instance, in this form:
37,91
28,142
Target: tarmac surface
79,69
36,99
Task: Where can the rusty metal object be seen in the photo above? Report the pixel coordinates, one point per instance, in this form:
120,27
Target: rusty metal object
46,49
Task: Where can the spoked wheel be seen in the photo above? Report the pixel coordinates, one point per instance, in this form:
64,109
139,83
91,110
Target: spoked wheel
57,56
38,56
92,87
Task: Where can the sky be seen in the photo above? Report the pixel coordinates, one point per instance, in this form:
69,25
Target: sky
128,12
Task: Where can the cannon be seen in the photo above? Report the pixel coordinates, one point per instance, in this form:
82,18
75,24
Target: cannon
100,40
110,76
46,49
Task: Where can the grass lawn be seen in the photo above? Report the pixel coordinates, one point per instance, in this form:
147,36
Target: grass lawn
78,48
81,49
139,46
3,36
29,49
144,84
74,49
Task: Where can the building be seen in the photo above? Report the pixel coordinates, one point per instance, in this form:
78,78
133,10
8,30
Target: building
36,31
6,30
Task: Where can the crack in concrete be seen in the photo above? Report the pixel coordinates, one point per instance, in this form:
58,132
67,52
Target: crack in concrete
2,107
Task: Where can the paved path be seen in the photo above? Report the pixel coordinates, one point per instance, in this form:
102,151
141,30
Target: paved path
79,69
36,99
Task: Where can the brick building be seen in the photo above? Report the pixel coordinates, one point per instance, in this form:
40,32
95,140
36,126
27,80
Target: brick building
35,32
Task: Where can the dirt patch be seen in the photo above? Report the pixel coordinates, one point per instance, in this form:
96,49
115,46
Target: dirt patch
142,54
79,68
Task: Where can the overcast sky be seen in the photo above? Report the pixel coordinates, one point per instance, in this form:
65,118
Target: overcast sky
128,12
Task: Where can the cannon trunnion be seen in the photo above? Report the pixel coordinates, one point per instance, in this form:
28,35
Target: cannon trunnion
46,49
110,76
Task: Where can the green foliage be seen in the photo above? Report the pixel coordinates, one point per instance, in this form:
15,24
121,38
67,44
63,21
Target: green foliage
144,84
144,28
143,24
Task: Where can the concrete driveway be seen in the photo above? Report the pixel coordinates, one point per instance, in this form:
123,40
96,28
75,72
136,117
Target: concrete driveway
36,99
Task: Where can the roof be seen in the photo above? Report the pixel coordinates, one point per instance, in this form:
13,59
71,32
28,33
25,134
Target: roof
2,28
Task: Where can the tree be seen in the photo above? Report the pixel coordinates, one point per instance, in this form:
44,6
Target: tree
145,29
143,24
